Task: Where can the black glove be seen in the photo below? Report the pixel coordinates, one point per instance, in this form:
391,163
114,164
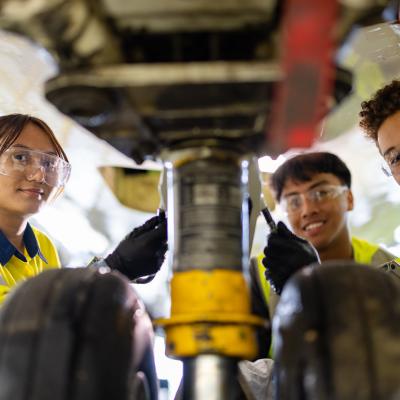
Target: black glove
285,254
142,251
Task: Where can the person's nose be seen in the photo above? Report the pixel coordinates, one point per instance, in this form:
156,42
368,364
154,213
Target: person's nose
309,206
37,174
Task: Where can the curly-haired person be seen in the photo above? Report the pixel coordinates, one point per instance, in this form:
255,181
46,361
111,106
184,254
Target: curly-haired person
380,120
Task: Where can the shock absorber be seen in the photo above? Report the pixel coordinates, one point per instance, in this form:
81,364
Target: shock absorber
211,326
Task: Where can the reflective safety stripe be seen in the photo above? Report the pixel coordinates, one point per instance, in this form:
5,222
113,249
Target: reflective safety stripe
2,280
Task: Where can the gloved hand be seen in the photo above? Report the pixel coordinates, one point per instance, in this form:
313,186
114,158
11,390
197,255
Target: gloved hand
285,254
142,251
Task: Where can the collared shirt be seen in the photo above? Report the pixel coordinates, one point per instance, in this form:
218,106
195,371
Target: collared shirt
39,254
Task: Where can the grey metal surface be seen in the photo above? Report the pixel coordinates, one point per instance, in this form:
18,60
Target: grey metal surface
255,378
208,208
204,14
392,268
142,74
147,107
210,377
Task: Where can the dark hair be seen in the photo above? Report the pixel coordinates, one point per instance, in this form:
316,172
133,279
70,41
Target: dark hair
11,126
302,167
384,103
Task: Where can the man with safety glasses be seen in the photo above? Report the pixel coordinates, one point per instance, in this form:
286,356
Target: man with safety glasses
314,189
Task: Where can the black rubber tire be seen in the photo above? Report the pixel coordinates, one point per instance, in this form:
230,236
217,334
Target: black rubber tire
337,334
67,335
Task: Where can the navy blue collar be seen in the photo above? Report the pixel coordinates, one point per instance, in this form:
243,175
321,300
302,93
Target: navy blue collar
7,249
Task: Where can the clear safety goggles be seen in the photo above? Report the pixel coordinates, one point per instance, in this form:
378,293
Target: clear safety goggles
293,203
392,163
20,162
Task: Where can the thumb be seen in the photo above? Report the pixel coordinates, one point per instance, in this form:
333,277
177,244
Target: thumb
283,230
157,235
162,229
152,223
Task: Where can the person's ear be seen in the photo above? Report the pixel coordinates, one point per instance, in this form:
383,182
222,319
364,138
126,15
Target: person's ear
350,200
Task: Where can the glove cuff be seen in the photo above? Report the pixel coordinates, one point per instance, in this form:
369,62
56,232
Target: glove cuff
112,260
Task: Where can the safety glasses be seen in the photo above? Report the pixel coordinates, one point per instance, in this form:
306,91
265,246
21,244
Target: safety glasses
392,163
293,203
20,162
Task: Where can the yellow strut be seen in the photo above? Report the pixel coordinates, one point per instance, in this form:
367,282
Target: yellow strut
210,313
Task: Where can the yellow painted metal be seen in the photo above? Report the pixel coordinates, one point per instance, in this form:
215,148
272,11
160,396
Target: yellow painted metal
134,188
217,290
214,317
210,314
237,341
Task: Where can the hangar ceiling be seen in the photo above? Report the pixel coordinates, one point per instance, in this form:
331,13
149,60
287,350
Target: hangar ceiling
198,37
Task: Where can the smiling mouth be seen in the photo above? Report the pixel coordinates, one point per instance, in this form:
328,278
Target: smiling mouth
34,192
312,226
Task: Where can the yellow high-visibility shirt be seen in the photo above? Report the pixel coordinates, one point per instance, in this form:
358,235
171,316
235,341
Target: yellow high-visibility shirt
39,254
364,253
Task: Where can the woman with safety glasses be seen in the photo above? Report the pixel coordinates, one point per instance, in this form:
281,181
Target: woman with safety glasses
34,170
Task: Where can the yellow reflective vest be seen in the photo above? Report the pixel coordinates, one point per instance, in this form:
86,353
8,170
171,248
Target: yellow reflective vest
39,254
364,253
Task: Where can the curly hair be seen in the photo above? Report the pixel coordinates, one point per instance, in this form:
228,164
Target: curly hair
384,103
